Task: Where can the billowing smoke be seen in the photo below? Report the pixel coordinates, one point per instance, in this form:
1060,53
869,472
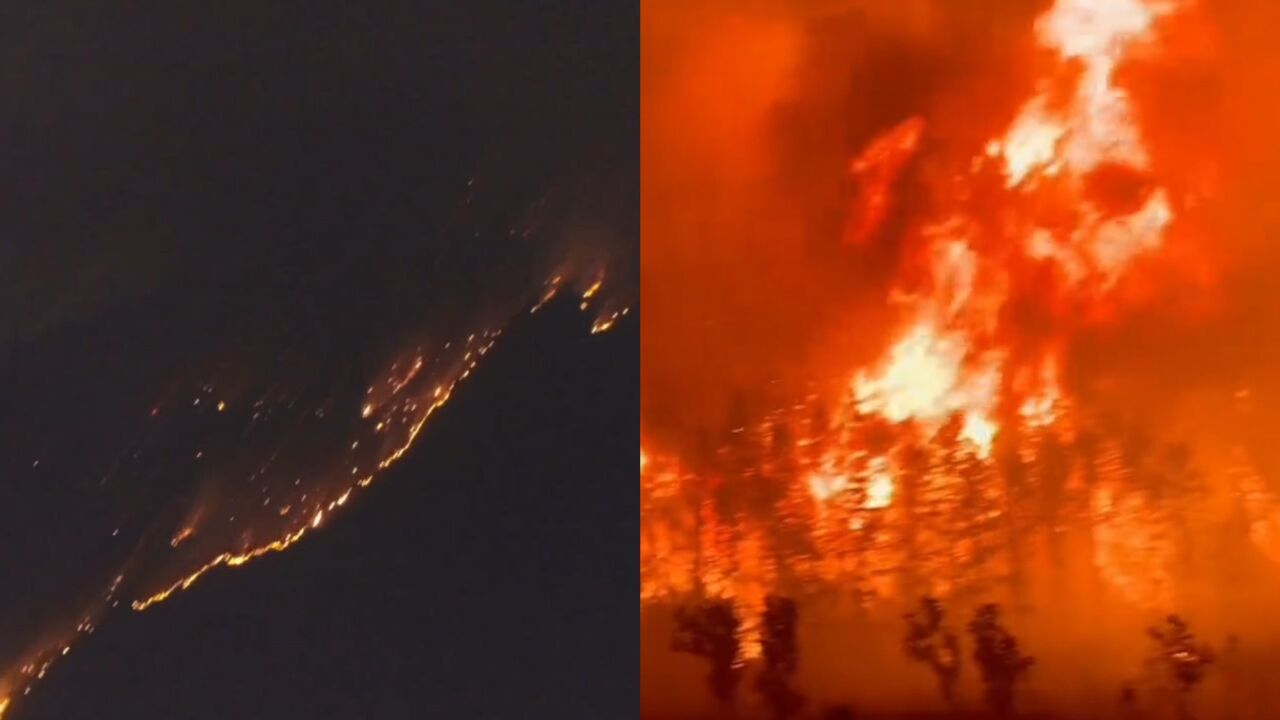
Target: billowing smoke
799,163
754,112
751,114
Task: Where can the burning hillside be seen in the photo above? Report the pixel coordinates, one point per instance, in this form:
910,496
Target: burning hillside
940,304
266,431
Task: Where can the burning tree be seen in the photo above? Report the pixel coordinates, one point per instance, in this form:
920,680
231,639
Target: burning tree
781,658
927,641
998,658
958,461
711,631
1184,659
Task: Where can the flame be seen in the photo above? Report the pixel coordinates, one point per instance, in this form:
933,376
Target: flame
1068,189
606,322
925,379
1097,126
439,395
879,490
419,407
182,535
825,486
877,169
38,660
944,364
402,399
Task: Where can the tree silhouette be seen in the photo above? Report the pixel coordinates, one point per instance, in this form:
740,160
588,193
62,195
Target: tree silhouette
710,630
1185,660
927,641
998,658
781,658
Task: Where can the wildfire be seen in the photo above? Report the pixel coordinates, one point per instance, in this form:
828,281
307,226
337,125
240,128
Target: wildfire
418,407
877,169
182,535
897,484
397,405
945,364
879,488
35,664
925,379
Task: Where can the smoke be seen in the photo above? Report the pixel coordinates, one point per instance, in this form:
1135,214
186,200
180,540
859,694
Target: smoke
751,114
1197,339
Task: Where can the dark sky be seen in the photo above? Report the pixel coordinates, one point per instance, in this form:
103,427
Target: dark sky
280,199
142,143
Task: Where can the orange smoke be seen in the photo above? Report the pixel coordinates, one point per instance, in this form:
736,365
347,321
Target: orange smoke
924,297
756,129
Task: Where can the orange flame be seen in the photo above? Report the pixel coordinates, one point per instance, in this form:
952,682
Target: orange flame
1076,196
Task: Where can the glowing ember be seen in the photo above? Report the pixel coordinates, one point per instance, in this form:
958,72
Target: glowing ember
401,402
182,535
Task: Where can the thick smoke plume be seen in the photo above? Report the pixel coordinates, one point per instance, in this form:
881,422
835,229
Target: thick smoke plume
771,132
751,114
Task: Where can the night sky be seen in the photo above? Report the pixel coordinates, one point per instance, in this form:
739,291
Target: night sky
276,202
485,577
